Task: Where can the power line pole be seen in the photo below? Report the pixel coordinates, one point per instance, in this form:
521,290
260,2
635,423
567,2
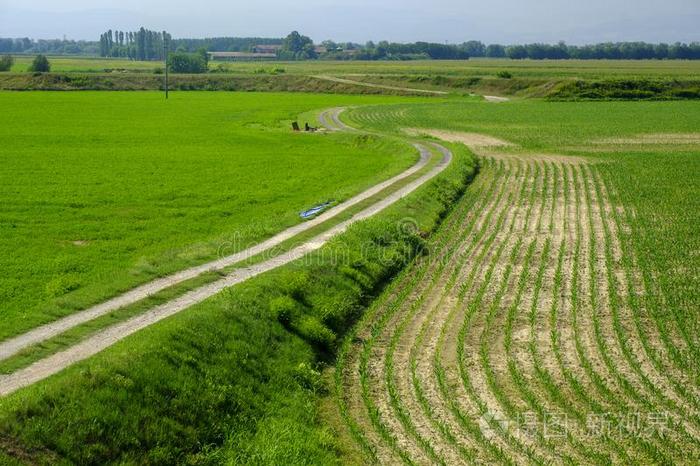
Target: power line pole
165,46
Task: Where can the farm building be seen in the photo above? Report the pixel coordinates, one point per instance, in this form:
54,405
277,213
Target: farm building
241,56
267,48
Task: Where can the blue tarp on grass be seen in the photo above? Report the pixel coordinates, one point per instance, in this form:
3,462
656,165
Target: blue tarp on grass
307,214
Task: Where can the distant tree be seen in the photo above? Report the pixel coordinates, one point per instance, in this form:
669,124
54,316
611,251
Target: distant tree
329,45
40,65
516,52
202,52
187,63
6,45
474,48
496,51
148,47
382,49
6,62
661,51
297,47
141,44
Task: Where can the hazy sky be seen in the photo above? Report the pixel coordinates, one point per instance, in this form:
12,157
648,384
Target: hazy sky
503,21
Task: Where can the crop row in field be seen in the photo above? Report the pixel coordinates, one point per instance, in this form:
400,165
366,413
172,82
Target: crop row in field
543,326
519,339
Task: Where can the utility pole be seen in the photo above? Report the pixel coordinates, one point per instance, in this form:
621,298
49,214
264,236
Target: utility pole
165,47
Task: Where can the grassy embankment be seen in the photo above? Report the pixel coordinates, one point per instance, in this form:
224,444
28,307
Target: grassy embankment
562,80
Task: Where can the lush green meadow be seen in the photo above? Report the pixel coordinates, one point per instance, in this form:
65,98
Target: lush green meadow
86,64
559,80
568,287
103,191
461,68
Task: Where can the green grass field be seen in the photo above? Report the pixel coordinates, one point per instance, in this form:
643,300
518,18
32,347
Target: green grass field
87,64
459,68
544,311
105,190
556,80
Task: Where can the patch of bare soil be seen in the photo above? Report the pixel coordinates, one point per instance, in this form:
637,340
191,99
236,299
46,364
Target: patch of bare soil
378,86
487,146
473,140
495,99
529,157
24,455
654,139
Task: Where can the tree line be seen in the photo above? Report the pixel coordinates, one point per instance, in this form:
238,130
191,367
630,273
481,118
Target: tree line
606,51
143,44
561,51
26,45
418,50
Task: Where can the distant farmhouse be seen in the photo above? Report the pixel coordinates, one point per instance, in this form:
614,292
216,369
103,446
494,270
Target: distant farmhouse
267,49
241,56
257,53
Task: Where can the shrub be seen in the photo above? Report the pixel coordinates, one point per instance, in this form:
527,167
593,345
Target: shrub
313,331
271,71
689,93
6,62
187,63
40,65
295,284
308,377
504,74
283,309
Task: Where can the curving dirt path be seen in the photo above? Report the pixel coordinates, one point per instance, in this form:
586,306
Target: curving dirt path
495,99
98,342
378,86
331,120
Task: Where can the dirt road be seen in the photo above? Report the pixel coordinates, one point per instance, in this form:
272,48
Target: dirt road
98,342
331,120
379,86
